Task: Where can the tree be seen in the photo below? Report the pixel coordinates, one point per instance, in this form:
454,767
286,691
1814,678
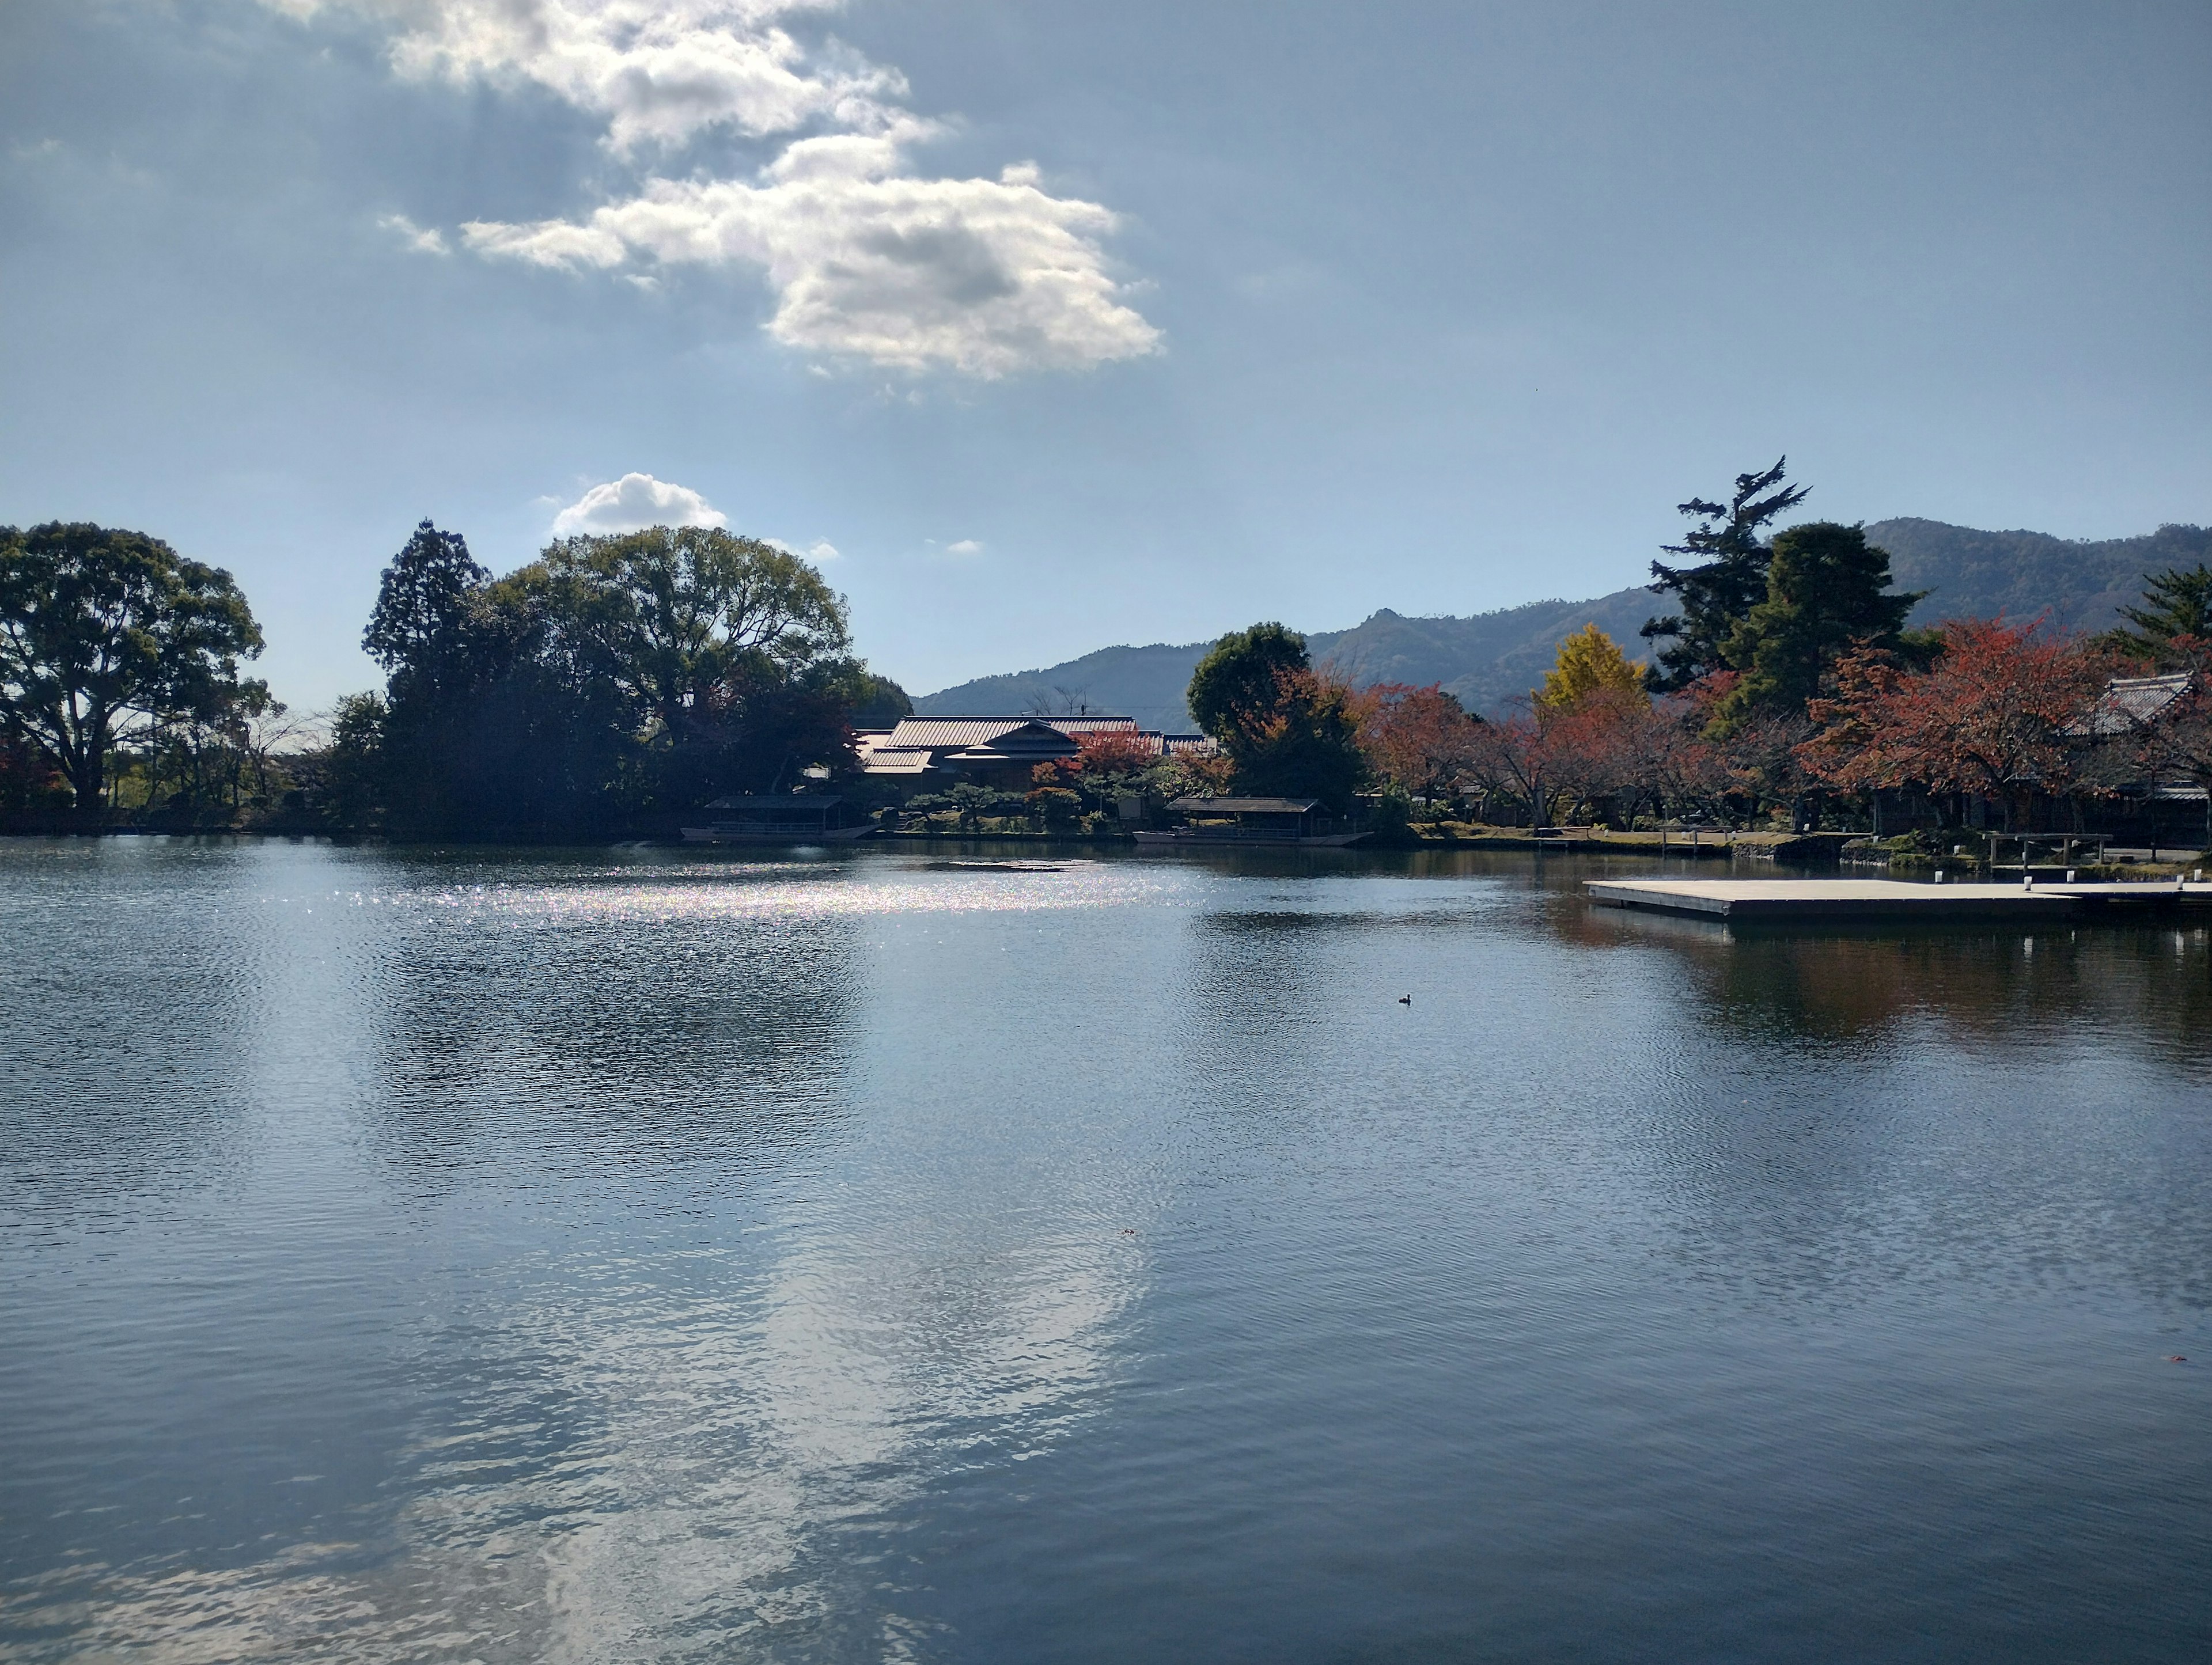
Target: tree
1588,660
1287,730
1241,677
2000,710
1417,739
668,613
1306,745
879,702
1826,590
1728,581
1520,756
2176,611
420,621
105,633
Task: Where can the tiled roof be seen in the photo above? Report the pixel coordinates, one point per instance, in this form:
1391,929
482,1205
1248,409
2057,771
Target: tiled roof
938,732
2128,702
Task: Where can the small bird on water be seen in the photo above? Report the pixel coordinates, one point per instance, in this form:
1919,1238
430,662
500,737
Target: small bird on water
1404,999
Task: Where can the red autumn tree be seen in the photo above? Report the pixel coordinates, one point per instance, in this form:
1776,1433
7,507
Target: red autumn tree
1114,751
1999,711
1617,743
1518,756
1418,739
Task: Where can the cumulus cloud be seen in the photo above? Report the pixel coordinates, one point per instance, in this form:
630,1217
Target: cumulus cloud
633,502
965,546
867,258
421,240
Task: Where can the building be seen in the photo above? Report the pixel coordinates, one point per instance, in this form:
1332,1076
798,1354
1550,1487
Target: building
927,754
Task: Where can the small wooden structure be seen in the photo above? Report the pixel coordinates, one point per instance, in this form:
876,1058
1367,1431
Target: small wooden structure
1252,821
794,818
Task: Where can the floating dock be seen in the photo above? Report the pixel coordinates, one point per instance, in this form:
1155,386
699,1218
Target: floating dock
1784,899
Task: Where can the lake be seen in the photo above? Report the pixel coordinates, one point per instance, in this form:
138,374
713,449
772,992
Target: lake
637,1255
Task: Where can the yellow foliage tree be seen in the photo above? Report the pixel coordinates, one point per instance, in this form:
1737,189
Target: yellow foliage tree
1589,661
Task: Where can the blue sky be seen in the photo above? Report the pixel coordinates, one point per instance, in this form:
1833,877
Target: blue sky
1047,326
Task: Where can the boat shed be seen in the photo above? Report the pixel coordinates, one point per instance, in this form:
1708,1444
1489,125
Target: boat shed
1256,818
792,816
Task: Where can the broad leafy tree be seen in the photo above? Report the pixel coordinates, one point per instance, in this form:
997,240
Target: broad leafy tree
105,632
1240,679
2000,712
672,612
1288,730
1723,580
1417,739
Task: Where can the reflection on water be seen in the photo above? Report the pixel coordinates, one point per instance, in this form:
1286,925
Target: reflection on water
408,1257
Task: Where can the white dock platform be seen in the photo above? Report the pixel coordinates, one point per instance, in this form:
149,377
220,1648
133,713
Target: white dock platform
1890,898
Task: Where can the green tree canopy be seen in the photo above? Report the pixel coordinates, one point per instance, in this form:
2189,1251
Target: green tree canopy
2177,605
103,632
880,702
670,612
1728,580
420,621
1827,590
1286,730
1241,678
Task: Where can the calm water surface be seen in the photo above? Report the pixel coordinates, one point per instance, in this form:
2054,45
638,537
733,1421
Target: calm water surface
630,1257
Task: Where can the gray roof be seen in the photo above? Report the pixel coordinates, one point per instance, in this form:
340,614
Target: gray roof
1246,805
941,733
2128,702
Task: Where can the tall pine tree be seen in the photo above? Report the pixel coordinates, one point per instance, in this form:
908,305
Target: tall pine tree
1827,590
2176,604
1728,581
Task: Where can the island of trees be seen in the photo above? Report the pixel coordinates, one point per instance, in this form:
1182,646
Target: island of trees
616,682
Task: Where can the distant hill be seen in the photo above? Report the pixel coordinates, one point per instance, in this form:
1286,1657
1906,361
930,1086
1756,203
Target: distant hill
1491,658
1979,574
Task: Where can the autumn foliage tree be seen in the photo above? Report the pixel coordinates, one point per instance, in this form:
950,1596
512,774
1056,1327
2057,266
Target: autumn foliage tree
1288,729
1591,662
1999,712
1417,739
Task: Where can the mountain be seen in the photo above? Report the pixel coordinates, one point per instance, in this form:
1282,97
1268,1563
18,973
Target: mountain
1491,658
1979,574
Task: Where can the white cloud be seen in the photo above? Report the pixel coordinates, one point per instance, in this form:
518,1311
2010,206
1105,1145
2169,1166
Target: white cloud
634,502
867,259
421,240
986,276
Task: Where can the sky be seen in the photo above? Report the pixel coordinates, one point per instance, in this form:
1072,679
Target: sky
1042,327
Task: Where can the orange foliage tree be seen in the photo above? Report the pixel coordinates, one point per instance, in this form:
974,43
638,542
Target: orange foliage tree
1999,711
1616,744
1418,739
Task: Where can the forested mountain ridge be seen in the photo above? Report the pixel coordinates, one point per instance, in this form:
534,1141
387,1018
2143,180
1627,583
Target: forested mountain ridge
1489,658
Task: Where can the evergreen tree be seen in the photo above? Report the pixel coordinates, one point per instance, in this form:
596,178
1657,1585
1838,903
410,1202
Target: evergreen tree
1729,581
421,607
2176,604
1826,591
